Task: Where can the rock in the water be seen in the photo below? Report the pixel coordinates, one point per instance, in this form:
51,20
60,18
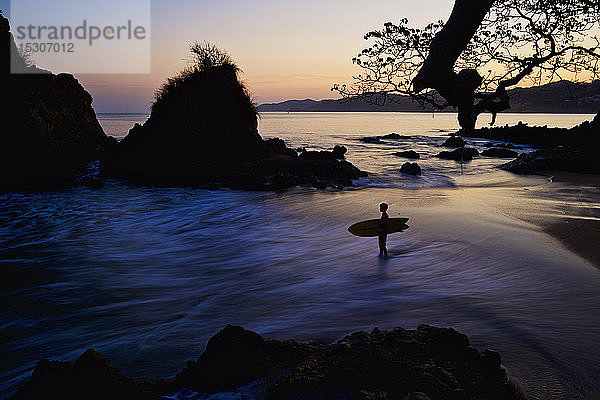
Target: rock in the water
413,155
582,159
454,141
49,128
499,153
394,136
203,132
460,154
276,146
339,152
586,132
380,139
411,169
426,363
371,140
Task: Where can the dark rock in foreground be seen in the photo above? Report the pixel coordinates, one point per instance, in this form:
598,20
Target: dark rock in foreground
49,128
581,159
408,154
460,154
411,169
499,153
454,141
427,363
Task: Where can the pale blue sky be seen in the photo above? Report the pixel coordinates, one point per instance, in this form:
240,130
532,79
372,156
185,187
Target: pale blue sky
286,49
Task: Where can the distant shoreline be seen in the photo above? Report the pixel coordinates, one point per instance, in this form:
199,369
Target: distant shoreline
430,112
553,98
382,112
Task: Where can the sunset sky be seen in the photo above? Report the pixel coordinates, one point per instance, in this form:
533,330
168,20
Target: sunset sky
287,50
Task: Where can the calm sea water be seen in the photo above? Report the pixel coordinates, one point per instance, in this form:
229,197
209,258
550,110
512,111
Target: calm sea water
146,276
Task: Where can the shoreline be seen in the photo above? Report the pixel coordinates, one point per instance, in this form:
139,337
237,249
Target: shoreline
578,228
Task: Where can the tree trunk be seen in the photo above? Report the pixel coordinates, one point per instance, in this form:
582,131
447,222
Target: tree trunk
437,71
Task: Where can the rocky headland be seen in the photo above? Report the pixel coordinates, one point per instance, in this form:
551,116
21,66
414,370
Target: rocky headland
203,131
574,150
49,129
426,363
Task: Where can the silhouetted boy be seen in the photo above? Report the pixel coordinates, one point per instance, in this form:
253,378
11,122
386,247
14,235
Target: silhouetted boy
383,229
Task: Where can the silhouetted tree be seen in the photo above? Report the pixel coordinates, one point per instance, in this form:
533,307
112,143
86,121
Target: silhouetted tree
485,48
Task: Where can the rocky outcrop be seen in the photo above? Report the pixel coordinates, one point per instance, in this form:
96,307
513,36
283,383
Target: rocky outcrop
499,153
371,140
454,142
394,136
203,132
49,128
542,136
460,154
413,155
90,377
581,159
411,169
426,363
573,150
380,139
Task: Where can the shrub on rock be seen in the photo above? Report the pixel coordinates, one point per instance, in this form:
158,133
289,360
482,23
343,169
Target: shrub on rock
203,130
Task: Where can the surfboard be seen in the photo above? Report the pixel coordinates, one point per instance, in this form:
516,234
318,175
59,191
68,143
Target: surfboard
370,227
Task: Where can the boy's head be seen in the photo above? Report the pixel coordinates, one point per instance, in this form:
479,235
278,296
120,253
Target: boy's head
383,207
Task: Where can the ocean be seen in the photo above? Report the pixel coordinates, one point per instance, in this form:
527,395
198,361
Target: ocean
147,275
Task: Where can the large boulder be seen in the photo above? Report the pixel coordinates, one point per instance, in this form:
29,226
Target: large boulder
371,140
499,153
426,363
460,154
542,136
203,119
582,159
90,377
408,154
236,356
394,136
203,131
411,169
454,142
49,127
573,150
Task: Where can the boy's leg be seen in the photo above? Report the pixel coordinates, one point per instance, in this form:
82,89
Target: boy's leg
382,244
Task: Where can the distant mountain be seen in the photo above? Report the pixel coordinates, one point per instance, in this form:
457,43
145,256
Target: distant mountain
557,97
